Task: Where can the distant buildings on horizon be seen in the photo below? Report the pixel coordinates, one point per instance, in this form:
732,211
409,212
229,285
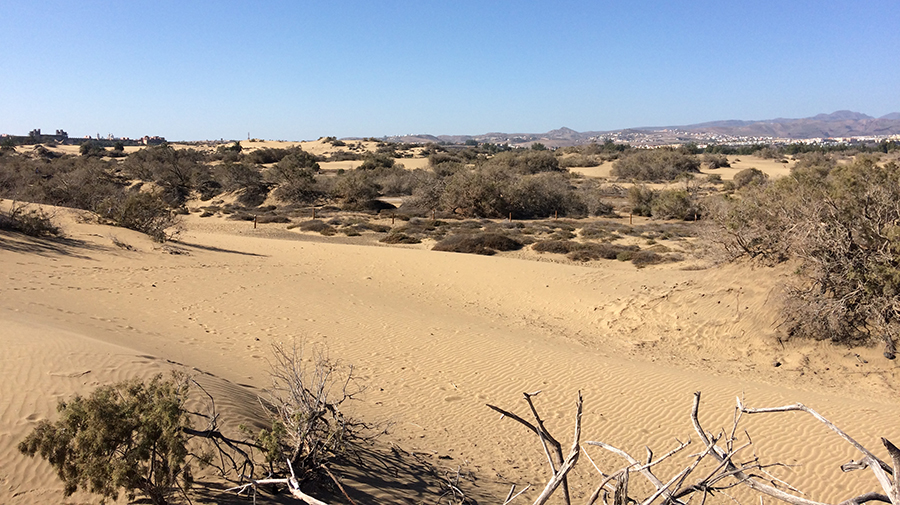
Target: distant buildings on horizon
37,137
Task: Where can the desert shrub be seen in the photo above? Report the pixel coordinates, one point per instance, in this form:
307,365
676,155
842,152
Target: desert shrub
714,179
127,437
603,250
640,198
140,211
674,204
641,259
749,176
267,155
478,243
592,196
436,159
399,238
654,165
33,222
176,171
476,193
555,246
90,148
772,153
272,218
304,402
542,195
318,226
376,161
579,160
357,189
841,223
526,161
235,176
713,161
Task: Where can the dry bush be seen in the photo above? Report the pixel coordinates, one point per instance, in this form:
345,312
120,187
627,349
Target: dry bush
675,204
555,246
318,226
272,218
140,211
655,165
643,258
714,161
841,223
749,176
399,238
33,222
478,243
309,431
604,250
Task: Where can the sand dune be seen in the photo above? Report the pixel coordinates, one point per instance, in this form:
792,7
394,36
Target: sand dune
435,336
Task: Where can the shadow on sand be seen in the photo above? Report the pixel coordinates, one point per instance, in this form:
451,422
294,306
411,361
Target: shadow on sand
46,246
380,474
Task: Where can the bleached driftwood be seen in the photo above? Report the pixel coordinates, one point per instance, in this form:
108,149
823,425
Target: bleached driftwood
728,470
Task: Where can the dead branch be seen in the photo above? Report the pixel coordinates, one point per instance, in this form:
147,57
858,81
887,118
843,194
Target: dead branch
568,464
291,483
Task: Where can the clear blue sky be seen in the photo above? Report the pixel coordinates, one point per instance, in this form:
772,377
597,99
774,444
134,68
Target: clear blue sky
300,70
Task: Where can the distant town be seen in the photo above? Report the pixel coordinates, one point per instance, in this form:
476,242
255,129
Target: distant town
36,136
841,128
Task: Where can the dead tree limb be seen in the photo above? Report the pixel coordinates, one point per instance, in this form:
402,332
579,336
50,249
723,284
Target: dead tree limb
803,408
568,464
291,483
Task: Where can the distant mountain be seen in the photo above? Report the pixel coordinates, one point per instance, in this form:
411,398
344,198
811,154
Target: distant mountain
842,123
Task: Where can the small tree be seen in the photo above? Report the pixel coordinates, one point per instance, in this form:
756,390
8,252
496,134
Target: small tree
128,436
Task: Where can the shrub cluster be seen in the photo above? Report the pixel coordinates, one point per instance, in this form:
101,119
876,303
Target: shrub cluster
655,165
841,222
478,243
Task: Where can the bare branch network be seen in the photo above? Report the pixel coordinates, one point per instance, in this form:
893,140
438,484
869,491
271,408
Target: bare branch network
721,452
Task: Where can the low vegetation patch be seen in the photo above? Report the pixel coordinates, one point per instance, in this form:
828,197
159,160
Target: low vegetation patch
399,238
478,243
33,222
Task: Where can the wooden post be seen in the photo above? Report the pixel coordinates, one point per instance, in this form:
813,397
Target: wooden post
510,217
555,214
254,222
630,218
432,214
392,220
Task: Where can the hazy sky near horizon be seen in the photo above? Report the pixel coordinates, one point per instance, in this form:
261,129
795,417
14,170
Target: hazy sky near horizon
294,70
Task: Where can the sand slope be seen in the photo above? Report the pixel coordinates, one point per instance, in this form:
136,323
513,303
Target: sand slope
434,336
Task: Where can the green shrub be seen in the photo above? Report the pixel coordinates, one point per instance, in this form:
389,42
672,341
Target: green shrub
655,165
674,204
128,436
526,162
749,176
579,160
641,197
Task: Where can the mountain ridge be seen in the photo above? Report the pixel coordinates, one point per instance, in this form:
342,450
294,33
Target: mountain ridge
841,123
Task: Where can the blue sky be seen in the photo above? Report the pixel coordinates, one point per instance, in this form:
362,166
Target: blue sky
298,70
